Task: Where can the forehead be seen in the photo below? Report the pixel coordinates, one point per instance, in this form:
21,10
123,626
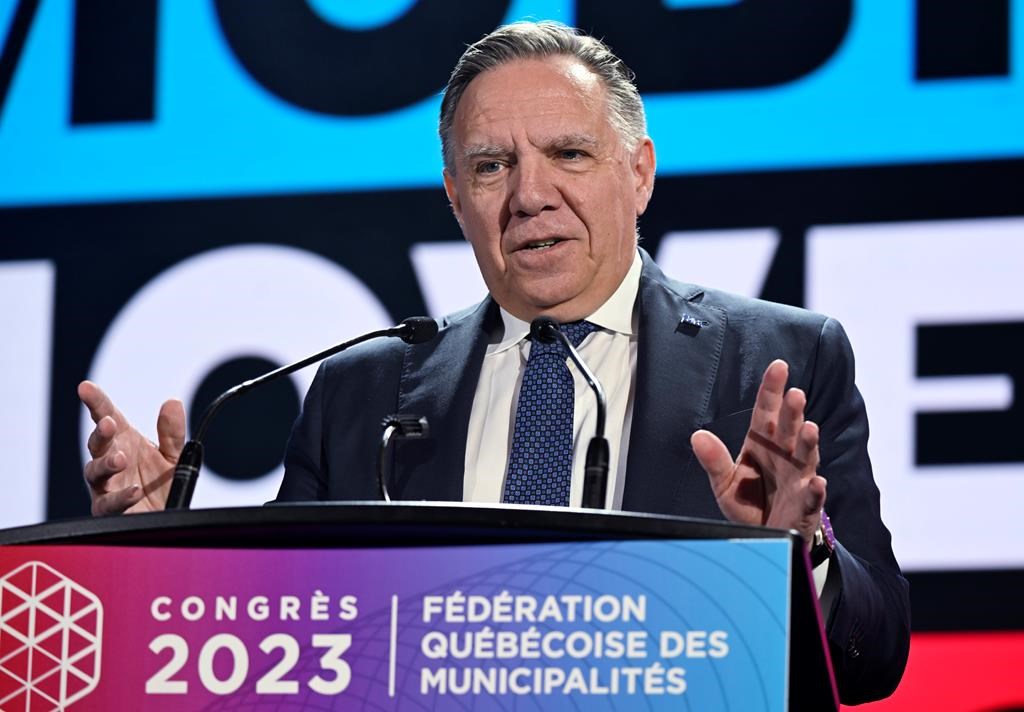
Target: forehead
556,94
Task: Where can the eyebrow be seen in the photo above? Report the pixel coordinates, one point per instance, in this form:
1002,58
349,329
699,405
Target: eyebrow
493,150
470,153
576,139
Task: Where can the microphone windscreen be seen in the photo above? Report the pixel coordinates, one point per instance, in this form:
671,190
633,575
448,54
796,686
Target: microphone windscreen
543,328
418,329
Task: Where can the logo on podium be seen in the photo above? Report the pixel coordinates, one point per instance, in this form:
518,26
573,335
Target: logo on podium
51,631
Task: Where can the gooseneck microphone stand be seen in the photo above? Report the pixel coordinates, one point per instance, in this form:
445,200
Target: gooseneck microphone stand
413,330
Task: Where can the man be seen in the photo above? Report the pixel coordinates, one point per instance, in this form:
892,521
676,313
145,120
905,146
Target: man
548,167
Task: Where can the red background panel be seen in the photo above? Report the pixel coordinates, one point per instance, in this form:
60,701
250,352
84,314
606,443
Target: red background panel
966,672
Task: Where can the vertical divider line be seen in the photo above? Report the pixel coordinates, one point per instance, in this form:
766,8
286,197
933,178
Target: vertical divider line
394,646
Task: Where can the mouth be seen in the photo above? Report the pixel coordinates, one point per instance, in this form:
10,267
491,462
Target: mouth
539,245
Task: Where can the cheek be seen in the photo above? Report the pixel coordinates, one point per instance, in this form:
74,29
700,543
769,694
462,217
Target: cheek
609,221
605,203
482,234
483,221
486,244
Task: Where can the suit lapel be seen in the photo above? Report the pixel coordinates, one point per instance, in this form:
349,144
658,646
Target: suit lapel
680,345
439,380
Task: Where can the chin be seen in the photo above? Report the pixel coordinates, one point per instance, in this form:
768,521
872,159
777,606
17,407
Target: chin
562,300
563,311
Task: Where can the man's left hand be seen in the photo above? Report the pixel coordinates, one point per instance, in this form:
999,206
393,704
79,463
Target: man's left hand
774,481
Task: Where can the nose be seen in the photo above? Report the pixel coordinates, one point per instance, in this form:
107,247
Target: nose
534,188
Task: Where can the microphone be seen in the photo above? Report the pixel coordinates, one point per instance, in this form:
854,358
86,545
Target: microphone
414,330
400,427
595,470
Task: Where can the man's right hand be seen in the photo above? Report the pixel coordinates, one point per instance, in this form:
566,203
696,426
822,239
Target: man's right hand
128,472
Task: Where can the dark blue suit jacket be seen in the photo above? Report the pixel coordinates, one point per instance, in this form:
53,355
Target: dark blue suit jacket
687,378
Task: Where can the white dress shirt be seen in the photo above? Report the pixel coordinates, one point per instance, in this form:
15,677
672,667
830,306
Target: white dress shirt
610,352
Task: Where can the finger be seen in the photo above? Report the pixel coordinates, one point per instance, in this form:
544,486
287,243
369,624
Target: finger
816,490
714,457
98,403
791,418
813,502
101,469
170,428
769,398
807,454
117,502
101,436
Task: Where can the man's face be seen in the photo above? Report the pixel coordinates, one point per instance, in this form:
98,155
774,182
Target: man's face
544,189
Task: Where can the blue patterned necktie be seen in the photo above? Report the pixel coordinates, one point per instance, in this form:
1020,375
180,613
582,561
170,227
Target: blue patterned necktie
540,463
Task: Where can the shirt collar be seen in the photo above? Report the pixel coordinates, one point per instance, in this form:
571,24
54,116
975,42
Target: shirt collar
616,314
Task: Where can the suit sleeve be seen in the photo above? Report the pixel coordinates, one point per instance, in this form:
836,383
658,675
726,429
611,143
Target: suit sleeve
869,626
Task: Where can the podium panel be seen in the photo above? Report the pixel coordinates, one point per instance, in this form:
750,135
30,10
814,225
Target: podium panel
406,607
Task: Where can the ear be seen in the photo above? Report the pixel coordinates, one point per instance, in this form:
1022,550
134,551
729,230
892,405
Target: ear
643,163
452,191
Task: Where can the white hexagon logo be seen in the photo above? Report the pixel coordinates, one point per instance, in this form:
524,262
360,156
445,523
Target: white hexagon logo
50,638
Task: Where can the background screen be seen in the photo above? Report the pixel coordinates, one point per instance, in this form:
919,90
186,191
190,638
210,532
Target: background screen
193,192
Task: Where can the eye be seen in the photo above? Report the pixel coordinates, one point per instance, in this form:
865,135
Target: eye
488,167
572,154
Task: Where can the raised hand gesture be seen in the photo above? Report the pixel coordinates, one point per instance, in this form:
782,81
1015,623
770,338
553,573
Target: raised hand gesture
774,481
128,472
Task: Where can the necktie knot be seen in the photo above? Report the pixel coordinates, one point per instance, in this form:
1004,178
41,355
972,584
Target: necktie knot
576,332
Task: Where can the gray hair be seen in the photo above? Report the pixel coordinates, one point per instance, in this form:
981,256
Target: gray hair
537,40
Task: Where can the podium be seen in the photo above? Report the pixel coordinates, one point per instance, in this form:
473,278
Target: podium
423,605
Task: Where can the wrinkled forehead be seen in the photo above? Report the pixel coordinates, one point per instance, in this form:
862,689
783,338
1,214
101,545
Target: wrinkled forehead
532,87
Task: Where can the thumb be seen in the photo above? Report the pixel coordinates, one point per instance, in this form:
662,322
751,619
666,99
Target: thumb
170,428
816,490
714,457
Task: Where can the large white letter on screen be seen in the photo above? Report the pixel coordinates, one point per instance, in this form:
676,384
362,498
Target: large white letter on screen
890,285
26,322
